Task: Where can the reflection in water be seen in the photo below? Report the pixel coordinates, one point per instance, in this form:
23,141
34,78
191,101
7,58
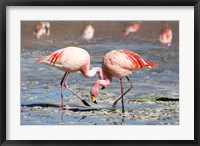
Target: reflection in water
82,118
123,117
62,117
62,121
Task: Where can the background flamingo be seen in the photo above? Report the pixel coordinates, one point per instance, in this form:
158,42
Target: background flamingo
88,32
166,35
119,64
131,28
42,28
71,59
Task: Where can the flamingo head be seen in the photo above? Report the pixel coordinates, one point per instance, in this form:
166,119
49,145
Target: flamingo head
94,92
94,99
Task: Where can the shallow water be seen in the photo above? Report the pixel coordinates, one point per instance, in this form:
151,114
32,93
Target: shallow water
40,83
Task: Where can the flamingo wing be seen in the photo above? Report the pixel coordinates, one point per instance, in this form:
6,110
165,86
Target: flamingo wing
137,60
53,58
121,63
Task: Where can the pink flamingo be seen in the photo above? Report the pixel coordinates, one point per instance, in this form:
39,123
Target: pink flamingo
42,28
119,64
132,28
88,32
71,59
166,35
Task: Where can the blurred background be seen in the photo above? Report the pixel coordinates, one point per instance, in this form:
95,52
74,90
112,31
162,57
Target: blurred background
69,33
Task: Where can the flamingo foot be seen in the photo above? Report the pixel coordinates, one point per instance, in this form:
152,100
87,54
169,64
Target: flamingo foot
83,100
85,103
103,87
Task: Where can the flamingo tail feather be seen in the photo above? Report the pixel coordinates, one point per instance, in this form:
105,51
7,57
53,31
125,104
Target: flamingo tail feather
41,59
150,64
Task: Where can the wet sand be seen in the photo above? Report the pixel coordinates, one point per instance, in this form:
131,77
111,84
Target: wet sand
40,83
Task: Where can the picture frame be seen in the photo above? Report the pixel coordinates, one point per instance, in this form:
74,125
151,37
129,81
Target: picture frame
3,25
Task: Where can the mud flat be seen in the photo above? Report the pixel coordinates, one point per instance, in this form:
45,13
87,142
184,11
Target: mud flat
139,111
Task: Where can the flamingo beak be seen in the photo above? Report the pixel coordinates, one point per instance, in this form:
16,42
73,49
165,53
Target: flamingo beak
94,99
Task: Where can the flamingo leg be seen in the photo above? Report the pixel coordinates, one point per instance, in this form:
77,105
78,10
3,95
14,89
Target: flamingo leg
67,87
62,85
131,87
122,90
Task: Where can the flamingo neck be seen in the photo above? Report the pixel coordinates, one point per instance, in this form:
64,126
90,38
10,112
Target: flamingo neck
95,89
102,83
93,72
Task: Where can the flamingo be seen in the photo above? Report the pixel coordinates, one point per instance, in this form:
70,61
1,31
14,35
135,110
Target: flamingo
88,32
166,35
69,60
42,28
132,28
119,64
